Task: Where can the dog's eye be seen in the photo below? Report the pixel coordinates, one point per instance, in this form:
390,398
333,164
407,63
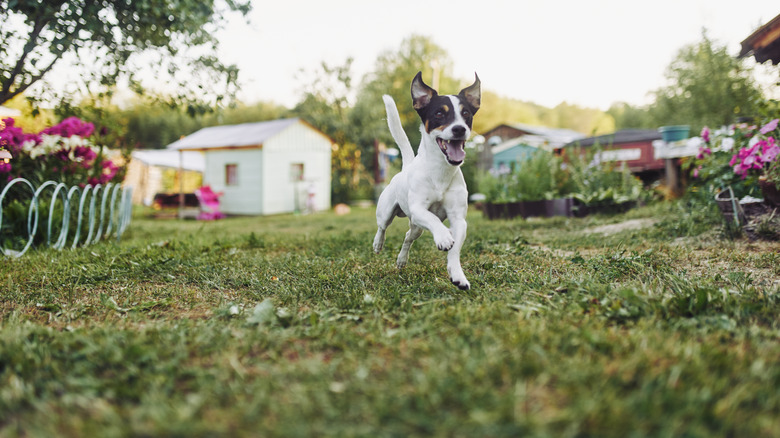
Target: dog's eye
465,113
439,114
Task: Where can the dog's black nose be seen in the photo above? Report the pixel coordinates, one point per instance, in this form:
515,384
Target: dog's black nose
459,131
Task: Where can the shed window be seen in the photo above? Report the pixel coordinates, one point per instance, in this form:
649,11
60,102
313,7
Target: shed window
231,174
296,172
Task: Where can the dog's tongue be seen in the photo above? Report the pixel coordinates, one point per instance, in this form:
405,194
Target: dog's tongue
455,151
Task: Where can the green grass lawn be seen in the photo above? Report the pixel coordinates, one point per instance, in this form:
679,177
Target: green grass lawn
644,324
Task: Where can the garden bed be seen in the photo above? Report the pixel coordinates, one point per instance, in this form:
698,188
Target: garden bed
525,209
568,207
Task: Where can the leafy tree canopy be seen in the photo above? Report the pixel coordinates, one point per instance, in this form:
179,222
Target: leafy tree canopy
627,116
393,73
109,40
707,86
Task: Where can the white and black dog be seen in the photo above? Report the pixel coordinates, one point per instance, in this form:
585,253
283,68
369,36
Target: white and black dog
430,187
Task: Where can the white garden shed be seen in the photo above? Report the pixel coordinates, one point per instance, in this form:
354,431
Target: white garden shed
266,167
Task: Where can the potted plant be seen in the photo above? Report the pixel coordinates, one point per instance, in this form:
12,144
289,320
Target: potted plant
760,157
770,184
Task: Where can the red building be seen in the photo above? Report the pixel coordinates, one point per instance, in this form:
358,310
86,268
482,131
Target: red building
632,146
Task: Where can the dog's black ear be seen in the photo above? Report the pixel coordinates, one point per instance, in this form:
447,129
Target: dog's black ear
421,93
472,93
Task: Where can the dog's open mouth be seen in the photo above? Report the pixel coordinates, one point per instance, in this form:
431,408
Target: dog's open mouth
453,150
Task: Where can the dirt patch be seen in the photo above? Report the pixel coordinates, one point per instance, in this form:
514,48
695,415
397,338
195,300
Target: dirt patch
633,224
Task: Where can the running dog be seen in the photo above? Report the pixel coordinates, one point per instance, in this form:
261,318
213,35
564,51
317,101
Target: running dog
430,187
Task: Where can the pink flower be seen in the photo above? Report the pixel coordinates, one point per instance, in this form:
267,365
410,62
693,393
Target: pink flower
769,127
769,150
109,171
741,170
62,154
12,137
755,157
705,134
70,127
84,154
5,167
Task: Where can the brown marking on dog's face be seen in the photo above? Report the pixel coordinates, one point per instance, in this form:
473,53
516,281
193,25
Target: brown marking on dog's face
447,118
439,114
436,111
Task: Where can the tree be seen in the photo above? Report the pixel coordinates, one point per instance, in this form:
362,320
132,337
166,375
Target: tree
707,86
326,106
627,116
110,39
393,73
586,120
496,110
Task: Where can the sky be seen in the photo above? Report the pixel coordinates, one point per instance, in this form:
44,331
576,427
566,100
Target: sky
588,53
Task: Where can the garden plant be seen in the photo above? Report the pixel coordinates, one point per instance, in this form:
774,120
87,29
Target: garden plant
736,156
58,187
578,175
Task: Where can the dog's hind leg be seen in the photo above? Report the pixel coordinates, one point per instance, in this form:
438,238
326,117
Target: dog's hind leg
379,240
411,235
385,213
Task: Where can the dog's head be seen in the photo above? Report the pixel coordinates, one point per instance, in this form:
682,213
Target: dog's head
447,119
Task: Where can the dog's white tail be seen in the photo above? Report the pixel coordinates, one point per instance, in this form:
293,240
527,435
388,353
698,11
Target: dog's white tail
397,131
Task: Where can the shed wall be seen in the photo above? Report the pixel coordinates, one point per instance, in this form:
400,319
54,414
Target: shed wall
297,145
246,197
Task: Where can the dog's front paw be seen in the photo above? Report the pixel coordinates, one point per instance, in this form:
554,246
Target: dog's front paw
445,241
458,278
462,284
460,281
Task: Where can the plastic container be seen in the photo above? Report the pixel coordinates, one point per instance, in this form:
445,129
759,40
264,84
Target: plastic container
674,133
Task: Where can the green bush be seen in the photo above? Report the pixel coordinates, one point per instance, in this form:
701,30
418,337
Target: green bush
602,183
548,176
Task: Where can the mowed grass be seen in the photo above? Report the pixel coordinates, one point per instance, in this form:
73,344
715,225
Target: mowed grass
644,324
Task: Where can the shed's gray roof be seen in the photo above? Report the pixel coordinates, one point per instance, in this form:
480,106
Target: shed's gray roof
557,136
188,160
245,134
620,137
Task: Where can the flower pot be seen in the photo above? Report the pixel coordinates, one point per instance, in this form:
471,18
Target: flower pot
674,133
770,192
729,207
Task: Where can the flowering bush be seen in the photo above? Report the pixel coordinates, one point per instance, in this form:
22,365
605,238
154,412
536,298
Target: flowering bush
717,165
63,153
760,153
